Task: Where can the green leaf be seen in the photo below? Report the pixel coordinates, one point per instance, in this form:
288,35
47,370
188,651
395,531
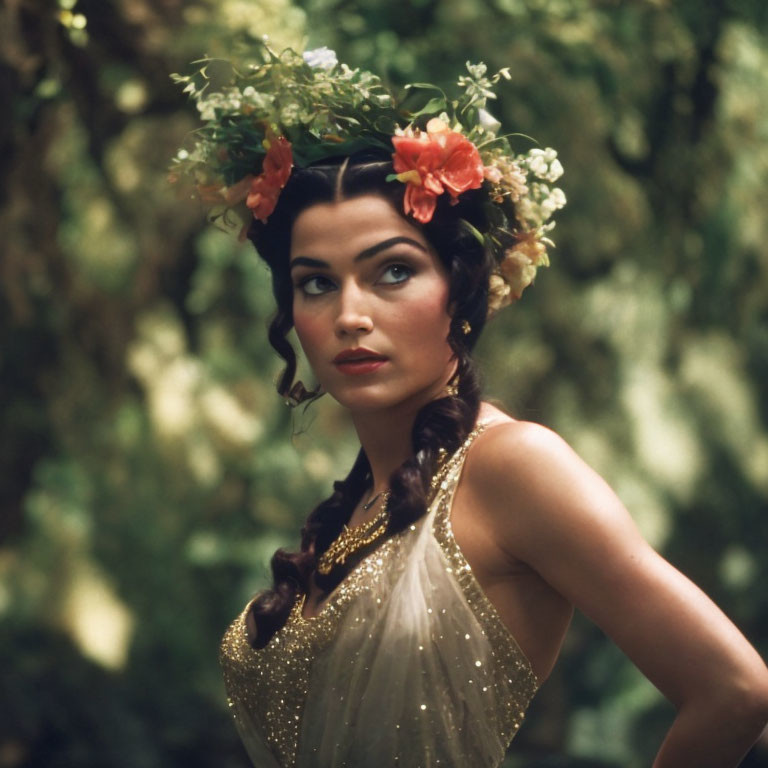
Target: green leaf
413,87
436,104
426,86
472,230
321,151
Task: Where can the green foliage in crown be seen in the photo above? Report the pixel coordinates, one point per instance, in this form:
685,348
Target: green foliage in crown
323,107
323,110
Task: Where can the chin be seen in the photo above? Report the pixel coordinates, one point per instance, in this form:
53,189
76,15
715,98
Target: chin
377,398
363,401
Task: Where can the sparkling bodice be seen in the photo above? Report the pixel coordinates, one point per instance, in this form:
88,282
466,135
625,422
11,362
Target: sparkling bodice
407,664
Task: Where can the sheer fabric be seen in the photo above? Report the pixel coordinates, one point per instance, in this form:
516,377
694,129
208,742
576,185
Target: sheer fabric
408,664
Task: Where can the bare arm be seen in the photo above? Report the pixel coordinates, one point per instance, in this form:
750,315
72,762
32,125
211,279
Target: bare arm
555,513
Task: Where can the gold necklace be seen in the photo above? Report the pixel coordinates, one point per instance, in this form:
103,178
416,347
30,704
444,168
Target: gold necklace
369,504
352,539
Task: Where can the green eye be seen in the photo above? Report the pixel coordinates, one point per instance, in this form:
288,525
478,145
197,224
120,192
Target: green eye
315,285
398,273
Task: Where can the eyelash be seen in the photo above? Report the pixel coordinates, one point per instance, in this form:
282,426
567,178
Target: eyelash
303,282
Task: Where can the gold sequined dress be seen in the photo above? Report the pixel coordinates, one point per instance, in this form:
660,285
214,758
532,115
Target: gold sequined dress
408,664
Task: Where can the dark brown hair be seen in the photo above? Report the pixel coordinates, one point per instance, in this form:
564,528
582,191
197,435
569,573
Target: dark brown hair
441,424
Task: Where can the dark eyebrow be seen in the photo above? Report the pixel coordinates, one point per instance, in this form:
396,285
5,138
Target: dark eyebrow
384,244
306,261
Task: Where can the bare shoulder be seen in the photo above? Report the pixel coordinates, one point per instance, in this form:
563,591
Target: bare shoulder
523,456
513,435
509,434
549,509
542,499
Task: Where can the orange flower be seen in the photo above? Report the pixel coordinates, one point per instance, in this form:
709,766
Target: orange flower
262,199
276,170
278,162
433,162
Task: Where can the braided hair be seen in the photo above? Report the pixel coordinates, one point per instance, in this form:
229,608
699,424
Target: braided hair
442,424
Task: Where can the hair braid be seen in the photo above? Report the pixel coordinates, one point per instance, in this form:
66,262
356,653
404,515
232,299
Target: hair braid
441,424
291,571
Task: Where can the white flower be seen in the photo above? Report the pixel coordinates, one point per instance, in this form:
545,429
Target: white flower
526,210
206,110
290,114
555,170
548,207
559,197
550,155
487,121
544,164
537,163
553,202
321,58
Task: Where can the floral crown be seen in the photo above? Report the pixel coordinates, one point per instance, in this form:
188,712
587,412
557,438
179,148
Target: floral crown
273,112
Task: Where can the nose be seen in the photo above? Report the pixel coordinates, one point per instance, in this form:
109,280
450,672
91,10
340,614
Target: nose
354,313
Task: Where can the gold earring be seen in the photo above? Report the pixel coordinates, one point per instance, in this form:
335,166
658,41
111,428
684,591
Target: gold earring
465,327
452,387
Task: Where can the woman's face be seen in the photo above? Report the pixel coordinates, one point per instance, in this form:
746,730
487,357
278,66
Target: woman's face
370,304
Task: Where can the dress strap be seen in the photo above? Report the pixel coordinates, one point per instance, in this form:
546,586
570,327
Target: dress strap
451,468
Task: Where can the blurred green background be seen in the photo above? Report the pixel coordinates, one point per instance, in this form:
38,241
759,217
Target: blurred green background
147,467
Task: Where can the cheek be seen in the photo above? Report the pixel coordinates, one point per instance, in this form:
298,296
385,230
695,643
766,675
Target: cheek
311,331
425,321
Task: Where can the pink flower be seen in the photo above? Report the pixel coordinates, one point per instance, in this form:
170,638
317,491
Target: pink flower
432,162
276,170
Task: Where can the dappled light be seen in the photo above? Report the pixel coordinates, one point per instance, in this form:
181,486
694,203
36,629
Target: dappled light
150,468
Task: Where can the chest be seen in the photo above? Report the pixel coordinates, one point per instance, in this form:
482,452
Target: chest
411,620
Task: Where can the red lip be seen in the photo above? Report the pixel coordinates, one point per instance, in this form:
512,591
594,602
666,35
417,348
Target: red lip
357,367
358,354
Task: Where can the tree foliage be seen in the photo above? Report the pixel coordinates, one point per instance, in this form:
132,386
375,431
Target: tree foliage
149,469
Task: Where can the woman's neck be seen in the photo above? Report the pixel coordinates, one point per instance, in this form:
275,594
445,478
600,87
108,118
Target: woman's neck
385,436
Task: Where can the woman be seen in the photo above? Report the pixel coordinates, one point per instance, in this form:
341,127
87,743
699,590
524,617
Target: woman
433,589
